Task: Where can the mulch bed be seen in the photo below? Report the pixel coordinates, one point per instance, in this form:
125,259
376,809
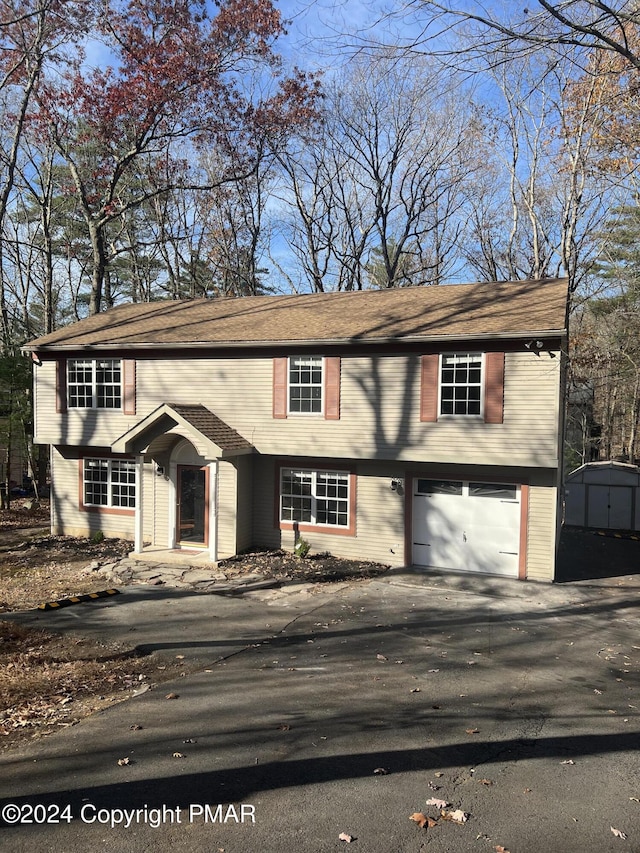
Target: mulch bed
316,568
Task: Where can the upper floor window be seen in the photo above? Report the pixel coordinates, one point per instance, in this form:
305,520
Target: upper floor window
109,483
461,384
305,384
464,384
94,383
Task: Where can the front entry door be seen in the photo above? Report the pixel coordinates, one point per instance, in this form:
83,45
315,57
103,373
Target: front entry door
193,505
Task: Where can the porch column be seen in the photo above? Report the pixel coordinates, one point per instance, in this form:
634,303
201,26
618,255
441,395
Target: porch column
213,512
137,547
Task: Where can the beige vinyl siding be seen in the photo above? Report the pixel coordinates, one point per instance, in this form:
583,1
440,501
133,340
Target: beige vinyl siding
67,517
380,526
380,416
227,509
244,506
379,532
152,513
541,533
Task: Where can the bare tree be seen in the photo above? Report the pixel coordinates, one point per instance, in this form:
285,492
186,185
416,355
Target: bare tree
539,202
386,175
511,30
31,35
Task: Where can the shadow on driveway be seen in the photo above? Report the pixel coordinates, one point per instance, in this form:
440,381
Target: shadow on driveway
587,555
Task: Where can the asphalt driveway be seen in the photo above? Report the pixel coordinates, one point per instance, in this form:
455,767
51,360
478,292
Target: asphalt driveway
344,712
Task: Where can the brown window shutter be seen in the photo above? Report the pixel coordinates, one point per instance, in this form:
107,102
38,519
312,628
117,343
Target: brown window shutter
429,367
129,386
280,368
61,385
332,388
494,388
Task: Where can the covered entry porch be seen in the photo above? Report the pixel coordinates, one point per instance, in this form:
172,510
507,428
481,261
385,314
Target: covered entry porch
190,467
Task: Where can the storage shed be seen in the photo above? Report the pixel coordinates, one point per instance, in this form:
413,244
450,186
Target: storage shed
604,495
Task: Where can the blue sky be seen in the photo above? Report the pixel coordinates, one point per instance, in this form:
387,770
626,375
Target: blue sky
322,33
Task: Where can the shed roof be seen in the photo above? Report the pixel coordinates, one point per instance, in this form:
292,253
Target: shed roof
500,309
607,472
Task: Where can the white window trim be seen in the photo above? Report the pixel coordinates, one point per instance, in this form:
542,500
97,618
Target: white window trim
94,385
452,416
110,505
313,522
293,412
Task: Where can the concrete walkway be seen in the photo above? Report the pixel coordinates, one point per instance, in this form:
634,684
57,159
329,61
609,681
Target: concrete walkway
345,710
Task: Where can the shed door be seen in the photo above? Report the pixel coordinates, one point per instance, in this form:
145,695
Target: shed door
609,507
466,526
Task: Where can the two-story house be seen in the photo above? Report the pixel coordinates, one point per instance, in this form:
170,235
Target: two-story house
417,426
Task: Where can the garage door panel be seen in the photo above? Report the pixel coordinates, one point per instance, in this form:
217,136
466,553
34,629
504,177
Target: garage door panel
476,528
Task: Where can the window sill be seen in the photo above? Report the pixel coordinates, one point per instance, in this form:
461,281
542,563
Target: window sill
107,510
303,527
479,419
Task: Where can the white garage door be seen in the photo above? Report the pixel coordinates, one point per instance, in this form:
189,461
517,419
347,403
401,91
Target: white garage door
466,526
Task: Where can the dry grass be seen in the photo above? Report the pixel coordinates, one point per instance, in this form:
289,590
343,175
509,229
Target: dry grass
48,681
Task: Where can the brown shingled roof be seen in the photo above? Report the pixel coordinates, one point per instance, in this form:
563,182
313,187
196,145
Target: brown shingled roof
211,426
451,311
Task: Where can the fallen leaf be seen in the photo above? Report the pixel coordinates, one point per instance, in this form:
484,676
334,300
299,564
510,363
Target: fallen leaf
618,833
345,837
472,731
486,782
434,670
135,727
171,696
189,740
599,692
381,657
179,755
380,771
123,761
439,804
284,727
439,775
415,690
457,816
634,799
568,761
423,821
500,849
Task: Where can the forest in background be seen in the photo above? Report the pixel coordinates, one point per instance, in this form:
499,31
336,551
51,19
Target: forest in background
165,149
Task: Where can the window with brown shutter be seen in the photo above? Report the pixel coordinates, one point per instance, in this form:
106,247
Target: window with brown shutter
462,384
429,367
129,386
332,388
494,387
61,385
280,369
306,385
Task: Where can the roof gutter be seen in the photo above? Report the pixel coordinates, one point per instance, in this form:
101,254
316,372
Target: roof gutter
310,342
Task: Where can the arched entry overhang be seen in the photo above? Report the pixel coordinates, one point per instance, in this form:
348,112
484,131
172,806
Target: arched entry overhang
178,449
